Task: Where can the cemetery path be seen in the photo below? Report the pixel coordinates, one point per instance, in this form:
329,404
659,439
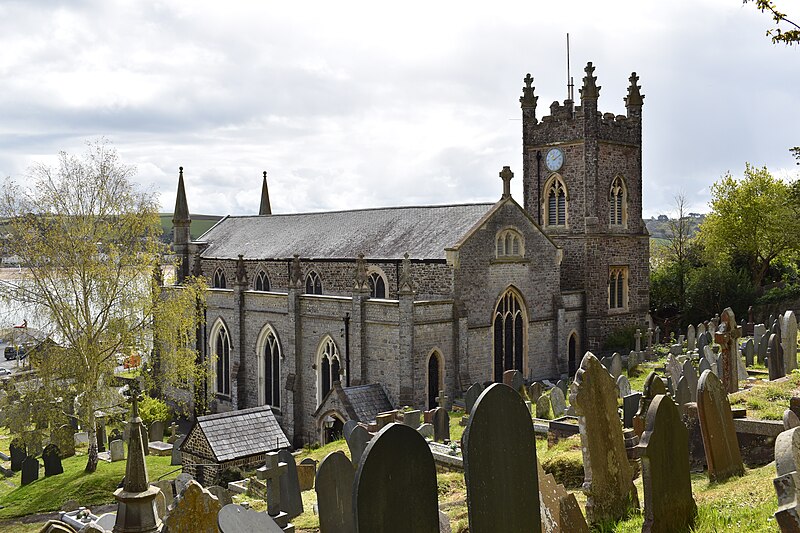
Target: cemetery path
44,517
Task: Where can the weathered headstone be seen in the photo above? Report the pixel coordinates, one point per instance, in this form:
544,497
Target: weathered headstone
763,345
558,508
349,426
691,338
412,418
30,470
674,369
181,482
543,406
167,489
51,456
359,438
471,396
741,369
691,379
703,366
222,494
441,425
291,500
156,431
789,340
758,333
306,472
637,339
749,352
682,393
624,386
716,425
610,494
177,456
500,484
563,385
426,430
616,365
514,379
334,486
413,481
664,449
18,454
657,335
702,341
630,404
790,419
534,391
194,510
775,358
787,482
234,518
557,402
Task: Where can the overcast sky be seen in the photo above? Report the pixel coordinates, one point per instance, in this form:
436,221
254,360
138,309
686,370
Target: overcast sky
364,104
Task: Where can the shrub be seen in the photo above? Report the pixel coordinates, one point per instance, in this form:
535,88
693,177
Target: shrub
229,474
621,340
152,410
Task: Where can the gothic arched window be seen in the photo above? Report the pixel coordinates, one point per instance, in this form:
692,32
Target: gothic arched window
219,281
377,285
618,287
222,354
313,283
510,244
618,200
555,202
271,365
509,335
262,281
328,368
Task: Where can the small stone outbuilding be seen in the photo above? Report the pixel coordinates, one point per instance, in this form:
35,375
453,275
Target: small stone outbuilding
238,439
361,403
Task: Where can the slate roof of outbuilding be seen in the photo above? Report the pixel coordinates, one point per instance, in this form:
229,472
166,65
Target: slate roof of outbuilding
367,401
383,233
242,433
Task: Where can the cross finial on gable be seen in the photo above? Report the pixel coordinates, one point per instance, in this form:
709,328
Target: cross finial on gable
506,176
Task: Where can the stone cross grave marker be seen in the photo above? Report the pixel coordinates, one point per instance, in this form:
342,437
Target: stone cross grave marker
638,340
413,482
441,425
691,338
51,456
787,482
716,425
272,473
543,406
664,449
173,433
789,340
624,386
30,470
18,454
195,510
749,352
359,438
442,400
557,402
334,486
609,477
691,378
291,500
471,396
514,379
499,448
234,518
775,358
177,456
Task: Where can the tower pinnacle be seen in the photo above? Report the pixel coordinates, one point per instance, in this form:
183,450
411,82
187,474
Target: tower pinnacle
265,208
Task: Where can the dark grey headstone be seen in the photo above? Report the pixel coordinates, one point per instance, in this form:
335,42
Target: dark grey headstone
357,442
383,480
762,348
563,385
156,431
668,502
500,464
514,379
51,456
749,352
716,425
630,404
775,358
334,486
100,426
234,518
18,454
30,470
682,394
471,396
691,378
177,458
441,425
348,428
702,367
291,500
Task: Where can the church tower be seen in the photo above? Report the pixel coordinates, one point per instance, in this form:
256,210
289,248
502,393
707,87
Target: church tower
583,185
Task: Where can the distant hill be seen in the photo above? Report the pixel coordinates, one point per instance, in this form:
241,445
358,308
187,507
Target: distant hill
659,227
200,224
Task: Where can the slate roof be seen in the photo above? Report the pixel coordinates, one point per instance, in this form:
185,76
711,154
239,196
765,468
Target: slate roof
242,433
384,233
366,401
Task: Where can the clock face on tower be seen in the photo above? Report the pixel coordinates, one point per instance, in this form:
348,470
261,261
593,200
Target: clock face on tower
554,159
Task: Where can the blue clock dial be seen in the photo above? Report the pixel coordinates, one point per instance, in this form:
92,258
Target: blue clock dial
554,159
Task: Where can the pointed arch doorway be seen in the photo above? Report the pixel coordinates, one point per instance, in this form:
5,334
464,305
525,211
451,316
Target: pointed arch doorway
572,350
435,382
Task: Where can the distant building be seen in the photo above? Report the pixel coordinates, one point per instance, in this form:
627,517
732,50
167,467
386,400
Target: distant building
423,299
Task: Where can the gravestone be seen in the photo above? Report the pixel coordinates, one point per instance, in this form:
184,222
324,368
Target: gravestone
702,367
624,386
161,507
306,471
616,365
384,419
787,482
234,518
657,335
18,454
426,430
359,438
156,431
543,406
702,341
413,482
348,428
181,482
758,333
674,369
271,476
664,450
166,488
790,419
682,394
222,494
557,402
291,500
637,339
610,494
177,457
749,352
691,379
514,379
441,425
173,435
30,470
100,429
558,508
741,369
716,425
195,510
630,404
500,484
534,391
412,418
51,457
789,340
334,486
606,362
563,385
471,396
763,345
691,338
775,358
64,437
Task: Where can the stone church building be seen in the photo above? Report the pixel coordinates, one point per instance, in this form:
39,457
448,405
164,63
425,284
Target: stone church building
422,299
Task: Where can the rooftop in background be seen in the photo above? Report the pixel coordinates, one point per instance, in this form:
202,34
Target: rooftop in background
200,225
382,233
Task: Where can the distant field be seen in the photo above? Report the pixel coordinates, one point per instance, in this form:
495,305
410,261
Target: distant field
200,224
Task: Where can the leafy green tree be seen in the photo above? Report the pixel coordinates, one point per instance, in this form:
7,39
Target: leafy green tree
779,34
752,222
88,239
